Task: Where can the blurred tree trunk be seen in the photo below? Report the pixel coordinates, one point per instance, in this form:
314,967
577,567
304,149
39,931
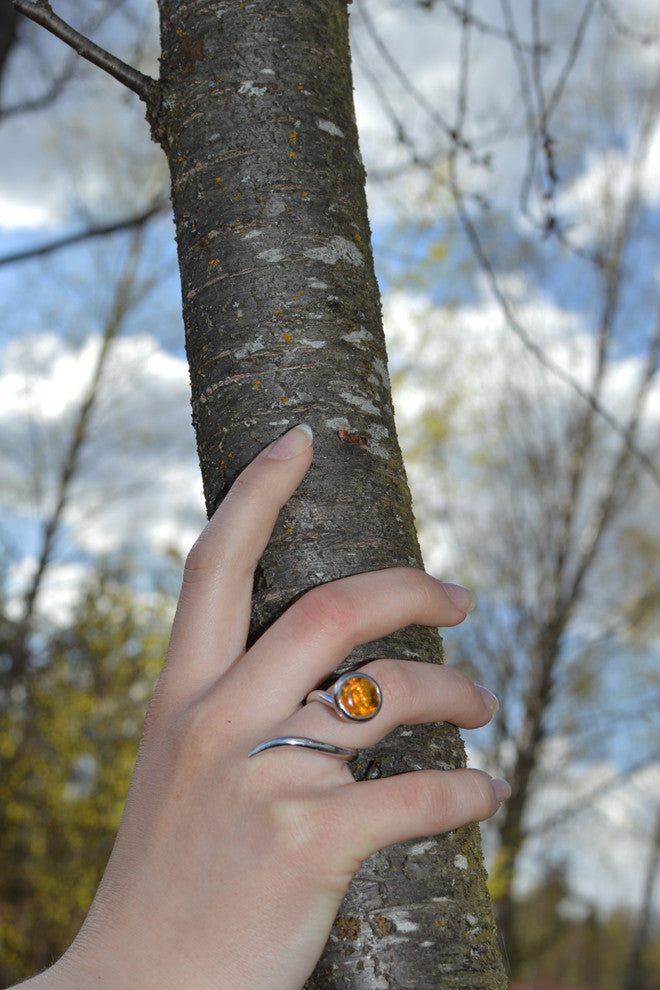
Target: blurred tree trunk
8,18
636,976
282,314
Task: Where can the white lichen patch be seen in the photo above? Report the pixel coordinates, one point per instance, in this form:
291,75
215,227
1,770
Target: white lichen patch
426,945
460,862
381,369
267,72
420,848
361,402
330,128
471,920
375,448
271,255
315,283
338,423
251,347
253,233
358,338
274,205
248,88
334,250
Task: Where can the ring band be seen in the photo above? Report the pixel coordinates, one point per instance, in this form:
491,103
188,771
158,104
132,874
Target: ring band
354,696
321,747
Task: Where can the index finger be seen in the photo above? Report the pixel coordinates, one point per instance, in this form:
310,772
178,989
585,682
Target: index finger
213,614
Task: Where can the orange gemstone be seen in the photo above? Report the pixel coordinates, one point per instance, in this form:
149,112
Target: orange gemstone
359,697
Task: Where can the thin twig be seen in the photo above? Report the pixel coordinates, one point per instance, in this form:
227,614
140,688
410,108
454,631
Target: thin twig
99,231
556,369
41,13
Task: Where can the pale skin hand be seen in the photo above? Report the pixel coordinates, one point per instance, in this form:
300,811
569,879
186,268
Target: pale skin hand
227,872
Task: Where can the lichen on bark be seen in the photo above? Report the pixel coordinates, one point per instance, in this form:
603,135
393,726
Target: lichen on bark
282,316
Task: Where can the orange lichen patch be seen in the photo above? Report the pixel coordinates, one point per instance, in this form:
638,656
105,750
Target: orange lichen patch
214,261
278,312
347,928
285,398
293,136
287,337
382,925
358,237
257,384
359,697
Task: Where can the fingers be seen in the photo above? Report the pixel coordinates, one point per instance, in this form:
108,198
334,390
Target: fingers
378,813
412,693
321,629
213,613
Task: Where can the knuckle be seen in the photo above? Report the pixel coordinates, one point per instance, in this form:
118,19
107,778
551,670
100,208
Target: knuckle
244,488
191,734
293,823
452,798
439,802
329,609
464,691
201,560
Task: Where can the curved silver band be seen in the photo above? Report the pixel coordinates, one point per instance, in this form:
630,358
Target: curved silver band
321,747
332,697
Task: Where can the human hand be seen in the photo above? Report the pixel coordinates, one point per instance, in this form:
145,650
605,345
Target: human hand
227,872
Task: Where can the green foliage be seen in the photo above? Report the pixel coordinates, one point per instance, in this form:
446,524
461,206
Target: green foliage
69,733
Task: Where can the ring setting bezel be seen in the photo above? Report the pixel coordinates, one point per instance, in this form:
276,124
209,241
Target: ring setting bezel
355,696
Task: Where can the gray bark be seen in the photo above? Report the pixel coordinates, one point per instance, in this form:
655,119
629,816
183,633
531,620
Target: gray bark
282,317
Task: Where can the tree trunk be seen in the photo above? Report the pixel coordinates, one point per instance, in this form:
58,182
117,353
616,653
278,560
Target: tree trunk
635,976
8,19
282,318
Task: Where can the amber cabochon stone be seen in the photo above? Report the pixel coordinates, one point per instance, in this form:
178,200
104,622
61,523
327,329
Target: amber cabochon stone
358,697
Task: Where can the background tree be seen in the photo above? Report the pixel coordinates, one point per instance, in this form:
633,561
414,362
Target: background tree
69,732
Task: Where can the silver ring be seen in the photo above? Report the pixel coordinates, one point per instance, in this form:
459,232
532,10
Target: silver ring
355,696
321,747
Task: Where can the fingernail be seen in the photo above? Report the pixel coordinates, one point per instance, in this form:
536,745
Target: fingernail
501,789
292,443
461,597
491,702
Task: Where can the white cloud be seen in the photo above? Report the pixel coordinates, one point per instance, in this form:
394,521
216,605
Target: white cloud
138,481
472,364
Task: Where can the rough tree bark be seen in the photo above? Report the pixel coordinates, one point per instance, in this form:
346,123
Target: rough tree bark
282,318
254,109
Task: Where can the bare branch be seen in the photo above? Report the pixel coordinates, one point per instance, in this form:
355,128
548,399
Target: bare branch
41,13
84,235
534,348
122,303
398,72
